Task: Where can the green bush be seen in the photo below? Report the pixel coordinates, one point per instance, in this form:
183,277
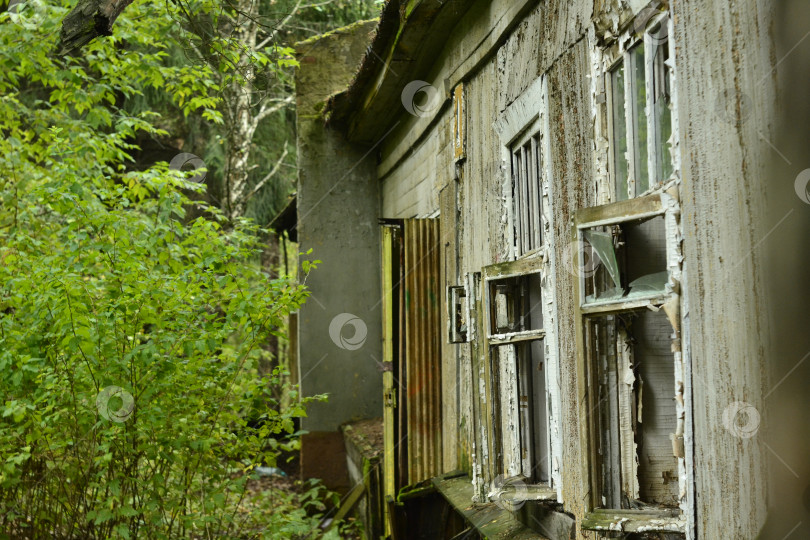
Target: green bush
129,334
128,349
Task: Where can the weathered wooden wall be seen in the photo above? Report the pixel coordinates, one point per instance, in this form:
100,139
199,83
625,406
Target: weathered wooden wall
724,52
725,85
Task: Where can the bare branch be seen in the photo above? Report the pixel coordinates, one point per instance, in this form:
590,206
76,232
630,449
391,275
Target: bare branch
266,111
270,175
280,25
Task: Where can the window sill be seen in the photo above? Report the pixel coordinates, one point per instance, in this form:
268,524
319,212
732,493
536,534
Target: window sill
489,519
640,521
516,337
626,303
518,493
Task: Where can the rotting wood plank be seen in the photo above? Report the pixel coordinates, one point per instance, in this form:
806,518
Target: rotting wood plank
634,521
618,212
451,425
347,505
517,337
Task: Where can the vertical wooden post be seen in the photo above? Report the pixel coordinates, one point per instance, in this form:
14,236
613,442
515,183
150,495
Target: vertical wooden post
389,400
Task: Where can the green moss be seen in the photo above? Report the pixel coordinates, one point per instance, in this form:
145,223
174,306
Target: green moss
350,29
410,6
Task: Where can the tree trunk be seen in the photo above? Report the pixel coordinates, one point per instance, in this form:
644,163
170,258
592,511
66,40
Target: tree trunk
87,21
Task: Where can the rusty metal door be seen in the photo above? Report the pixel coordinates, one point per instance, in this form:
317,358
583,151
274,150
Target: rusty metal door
412,331
422,333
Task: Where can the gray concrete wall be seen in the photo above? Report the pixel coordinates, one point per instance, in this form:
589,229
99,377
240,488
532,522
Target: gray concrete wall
338,206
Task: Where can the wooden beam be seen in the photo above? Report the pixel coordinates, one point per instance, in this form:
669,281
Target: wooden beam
389,399
348,504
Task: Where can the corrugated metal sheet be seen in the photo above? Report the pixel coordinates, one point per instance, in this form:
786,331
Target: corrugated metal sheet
422,314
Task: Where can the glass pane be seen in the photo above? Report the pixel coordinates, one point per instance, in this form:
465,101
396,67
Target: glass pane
663,114
602,243
524,202
516,173
641,172
619,119
536,190
629,261
533,403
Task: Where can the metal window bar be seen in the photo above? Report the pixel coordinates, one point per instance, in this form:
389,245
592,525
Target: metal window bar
527,195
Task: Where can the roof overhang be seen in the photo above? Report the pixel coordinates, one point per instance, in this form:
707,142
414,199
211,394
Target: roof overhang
287,219
410,37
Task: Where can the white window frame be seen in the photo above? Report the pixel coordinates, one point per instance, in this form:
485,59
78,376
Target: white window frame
516,438
525,119
651,37
607,50
662,204
527,191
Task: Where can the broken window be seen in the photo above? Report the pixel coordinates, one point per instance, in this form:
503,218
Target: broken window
629,304
513,305
633,368
527,193
519,406
640,114
632,260
627,246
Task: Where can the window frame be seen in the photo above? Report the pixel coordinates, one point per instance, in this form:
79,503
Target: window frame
524,118
512,466
666,203
621,55
527,179
455,334
648,206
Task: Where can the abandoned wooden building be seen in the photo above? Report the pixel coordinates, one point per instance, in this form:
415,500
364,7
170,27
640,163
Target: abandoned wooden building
522,210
